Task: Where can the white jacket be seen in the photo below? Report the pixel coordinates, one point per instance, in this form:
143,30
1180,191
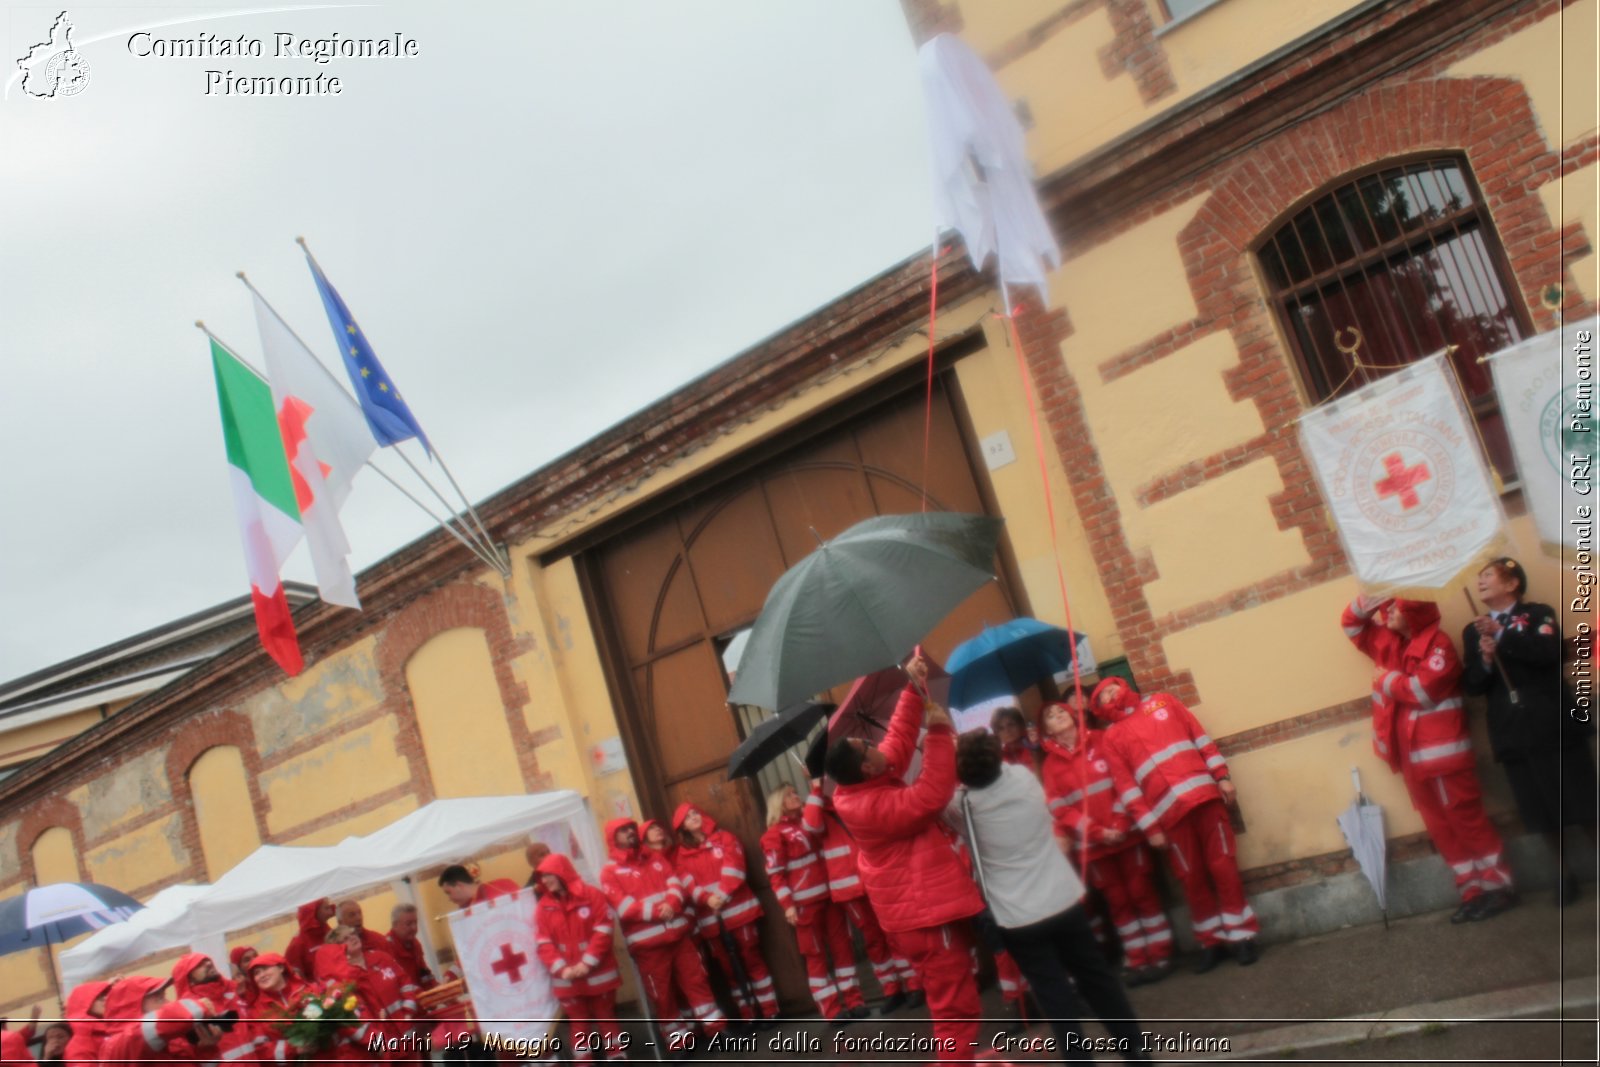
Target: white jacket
1026,878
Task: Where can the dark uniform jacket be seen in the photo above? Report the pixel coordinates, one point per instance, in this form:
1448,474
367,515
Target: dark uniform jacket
1530,650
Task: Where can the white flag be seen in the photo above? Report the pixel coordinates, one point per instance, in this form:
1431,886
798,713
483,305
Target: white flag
327,440
511,991
1546,386
1402,471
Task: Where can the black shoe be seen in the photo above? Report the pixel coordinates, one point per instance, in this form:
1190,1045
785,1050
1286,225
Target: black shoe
1567,890
860,1011
1210,958
915,999
1466,913
1131,978
893,1004
1493,903
1246,952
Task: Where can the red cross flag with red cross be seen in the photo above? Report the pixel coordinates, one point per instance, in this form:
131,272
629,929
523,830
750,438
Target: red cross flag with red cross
511,993
1403,473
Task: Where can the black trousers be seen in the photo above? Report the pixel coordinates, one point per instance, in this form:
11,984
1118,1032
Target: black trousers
1058,952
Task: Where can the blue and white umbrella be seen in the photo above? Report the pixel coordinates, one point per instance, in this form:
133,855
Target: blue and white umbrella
988,671
51,914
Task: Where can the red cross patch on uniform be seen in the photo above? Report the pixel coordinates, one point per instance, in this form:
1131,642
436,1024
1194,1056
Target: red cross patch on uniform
583,913
1547,629
717,852
1160,713
1436,660
1101,766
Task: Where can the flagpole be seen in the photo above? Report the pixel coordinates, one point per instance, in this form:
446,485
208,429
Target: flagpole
487,546
471,546
472,511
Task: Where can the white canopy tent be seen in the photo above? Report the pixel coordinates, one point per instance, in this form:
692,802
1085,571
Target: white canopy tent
274,880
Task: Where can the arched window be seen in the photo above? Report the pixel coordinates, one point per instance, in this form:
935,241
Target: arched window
1405,259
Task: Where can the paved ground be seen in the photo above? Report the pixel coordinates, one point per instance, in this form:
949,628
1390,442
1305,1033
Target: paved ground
1421,991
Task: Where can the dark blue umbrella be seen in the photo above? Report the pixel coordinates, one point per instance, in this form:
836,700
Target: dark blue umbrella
52,914
1001,662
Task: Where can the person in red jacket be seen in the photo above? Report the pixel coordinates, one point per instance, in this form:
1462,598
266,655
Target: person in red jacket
900,984
726,909
923,892
406,949
572,926
1092,824
86,1009
800,882
1017,743
1419,727
649,900
14,1045
277,988
1172,779
378,979
313,918
349,914
158,1030
464,889
243,990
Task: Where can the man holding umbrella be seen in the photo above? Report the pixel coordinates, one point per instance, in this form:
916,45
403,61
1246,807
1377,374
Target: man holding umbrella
907,857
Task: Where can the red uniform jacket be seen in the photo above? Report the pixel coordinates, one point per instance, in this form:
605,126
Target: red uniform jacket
14,1047
641,887
1082,795
907,856
716,866
1163,763
838,849
795,868
159,1036
407,952
88,1031
497,887
261,1016
1419,724
575,927
313,933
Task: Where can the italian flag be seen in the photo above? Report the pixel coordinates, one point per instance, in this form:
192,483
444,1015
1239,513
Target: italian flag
263,498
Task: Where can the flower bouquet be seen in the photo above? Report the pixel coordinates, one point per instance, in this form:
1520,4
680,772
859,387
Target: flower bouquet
314,1021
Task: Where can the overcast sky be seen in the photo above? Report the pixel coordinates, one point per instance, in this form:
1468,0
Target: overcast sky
555,213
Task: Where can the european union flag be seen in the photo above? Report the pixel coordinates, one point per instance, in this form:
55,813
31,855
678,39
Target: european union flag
388,416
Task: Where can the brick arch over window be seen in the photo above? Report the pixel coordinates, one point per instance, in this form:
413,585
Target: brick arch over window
48,815
458,605
193,739
1490,122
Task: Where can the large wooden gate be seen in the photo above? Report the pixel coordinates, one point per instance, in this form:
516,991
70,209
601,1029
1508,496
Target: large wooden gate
669,593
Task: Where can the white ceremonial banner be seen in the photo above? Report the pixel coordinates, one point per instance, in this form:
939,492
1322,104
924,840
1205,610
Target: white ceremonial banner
1401,468
511,992
1546,386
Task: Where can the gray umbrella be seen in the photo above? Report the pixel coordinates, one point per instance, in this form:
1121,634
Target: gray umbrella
1362,825
861,602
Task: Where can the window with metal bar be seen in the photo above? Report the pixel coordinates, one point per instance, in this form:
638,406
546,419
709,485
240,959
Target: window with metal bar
1390,268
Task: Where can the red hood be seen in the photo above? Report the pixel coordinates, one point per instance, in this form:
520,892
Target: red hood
708,825
621,855
123,1006
180,978
314,929
268,959
80,999
1126,699
1419,614
236,954
562,868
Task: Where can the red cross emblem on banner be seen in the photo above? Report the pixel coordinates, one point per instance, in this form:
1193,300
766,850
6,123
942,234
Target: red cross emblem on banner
509,963
1402,480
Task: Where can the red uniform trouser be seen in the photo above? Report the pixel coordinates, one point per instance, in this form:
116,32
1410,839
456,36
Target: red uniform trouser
942,956
1126,880
674,977
747,939
594,1034
1204,856
1012,984
822,934
1451,806
894,974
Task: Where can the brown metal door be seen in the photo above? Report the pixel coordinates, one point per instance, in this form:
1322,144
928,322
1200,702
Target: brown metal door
673,589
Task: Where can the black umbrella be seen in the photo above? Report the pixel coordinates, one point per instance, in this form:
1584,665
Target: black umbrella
772,738
48,915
